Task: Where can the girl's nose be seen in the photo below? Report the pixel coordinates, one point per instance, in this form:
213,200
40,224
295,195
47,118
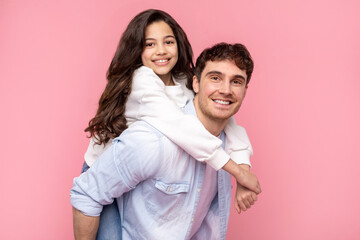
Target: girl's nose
160,50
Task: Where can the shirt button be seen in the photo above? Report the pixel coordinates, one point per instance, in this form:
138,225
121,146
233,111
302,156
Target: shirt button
192,219
170,189
198,189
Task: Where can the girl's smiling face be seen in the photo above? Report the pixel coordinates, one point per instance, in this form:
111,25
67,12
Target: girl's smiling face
160,51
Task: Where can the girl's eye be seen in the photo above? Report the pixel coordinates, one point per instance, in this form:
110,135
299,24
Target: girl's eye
169,42
149,44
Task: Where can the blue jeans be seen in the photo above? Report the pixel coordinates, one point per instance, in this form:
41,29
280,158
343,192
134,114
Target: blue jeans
110,224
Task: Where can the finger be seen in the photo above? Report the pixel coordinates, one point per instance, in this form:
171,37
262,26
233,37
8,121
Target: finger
242,205
258,189
247,203
254,197
251,200
237,207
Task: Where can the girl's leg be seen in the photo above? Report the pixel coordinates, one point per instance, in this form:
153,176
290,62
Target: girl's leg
110,224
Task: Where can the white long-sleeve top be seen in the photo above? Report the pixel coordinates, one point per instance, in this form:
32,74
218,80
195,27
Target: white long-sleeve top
159,105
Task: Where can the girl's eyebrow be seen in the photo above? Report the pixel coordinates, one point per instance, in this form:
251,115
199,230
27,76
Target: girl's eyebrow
167,36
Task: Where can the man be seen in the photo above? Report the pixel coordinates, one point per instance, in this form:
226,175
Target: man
162,192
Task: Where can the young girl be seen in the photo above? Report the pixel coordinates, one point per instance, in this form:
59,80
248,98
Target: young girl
149,79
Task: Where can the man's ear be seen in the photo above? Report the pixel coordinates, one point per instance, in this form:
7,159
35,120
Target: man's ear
246,88
195,84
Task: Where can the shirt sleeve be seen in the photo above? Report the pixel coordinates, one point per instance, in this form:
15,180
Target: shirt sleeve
94,151
238,143
149,102
118,170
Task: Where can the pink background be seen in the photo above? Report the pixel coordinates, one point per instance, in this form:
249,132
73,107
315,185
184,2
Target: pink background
302,110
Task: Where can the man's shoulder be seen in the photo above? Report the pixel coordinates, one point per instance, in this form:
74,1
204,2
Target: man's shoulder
143,141
142,134
140,129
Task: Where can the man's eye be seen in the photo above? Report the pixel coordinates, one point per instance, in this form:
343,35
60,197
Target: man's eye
215,78
238,82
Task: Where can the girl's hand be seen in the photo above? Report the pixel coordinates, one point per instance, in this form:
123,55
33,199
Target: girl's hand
243,175
248,180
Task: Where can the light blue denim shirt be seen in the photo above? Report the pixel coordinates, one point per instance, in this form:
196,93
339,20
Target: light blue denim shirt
157,186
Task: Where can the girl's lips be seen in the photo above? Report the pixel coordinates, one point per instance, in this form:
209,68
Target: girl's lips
161,62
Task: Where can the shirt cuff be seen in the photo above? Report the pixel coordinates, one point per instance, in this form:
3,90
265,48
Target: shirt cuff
218,159
83,204
241,157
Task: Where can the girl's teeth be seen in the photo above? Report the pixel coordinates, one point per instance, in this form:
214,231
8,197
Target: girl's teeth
161,61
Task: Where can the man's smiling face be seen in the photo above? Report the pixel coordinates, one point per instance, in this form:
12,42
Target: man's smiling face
220,90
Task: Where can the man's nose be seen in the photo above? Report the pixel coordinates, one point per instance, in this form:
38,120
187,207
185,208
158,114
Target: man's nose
225,87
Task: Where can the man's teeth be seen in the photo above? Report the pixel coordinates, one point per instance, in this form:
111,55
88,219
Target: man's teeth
222,102
162,61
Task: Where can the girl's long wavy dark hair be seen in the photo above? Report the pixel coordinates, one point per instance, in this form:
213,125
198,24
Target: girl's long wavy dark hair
109,121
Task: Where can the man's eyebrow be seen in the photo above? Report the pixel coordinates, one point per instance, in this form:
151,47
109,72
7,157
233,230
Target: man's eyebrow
214,72
240,76
220,73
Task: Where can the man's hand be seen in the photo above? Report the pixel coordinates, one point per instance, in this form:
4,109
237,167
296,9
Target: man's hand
243,176
244,198
85,227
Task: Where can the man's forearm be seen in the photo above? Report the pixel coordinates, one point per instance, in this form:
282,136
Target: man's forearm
85,227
